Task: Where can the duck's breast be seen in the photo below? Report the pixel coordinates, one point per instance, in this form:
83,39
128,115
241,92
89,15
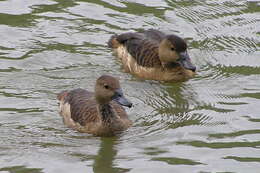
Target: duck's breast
121,115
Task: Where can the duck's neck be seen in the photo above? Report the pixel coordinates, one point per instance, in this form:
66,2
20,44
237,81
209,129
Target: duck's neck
106,112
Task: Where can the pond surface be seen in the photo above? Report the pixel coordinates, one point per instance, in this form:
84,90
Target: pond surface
210,123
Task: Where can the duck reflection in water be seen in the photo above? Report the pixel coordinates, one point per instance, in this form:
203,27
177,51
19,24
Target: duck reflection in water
103,161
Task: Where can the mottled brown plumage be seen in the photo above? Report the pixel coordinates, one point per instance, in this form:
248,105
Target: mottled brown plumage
98,113
153,55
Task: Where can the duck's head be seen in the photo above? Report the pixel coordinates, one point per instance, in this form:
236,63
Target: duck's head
173,49
107,89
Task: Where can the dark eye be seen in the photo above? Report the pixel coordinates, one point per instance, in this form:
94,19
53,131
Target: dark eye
172,49
106,86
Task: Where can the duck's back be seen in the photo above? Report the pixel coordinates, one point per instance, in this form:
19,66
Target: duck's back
150,35
154,35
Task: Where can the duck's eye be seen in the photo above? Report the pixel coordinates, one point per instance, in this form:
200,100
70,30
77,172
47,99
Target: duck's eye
172,49
106,86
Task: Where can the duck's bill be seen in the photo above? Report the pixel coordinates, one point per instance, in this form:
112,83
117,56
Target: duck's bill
186,62
120,99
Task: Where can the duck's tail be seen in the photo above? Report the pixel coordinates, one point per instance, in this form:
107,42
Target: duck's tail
112,42
61,96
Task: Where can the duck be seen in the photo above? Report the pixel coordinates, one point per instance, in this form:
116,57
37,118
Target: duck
99,113
153,55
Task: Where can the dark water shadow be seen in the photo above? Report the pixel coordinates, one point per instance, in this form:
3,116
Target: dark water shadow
21,169
104,160
243,159
176,161
220,145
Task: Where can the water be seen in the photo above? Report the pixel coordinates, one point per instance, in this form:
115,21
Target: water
207,124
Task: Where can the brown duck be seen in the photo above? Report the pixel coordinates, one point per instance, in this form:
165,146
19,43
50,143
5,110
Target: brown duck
100,113
153,55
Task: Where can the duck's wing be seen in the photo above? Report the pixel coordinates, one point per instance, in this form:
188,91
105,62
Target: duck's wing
82,105
143,50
